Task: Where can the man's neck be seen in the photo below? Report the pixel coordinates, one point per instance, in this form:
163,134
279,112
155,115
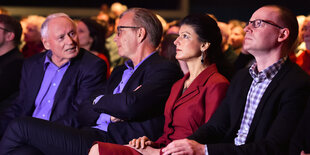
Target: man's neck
6,48
267,59
141,54
59,62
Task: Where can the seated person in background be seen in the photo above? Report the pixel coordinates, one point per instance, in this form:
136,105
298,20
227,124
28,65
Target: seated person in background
227,49
11,60
32,36
92,38
303,57
168,51
263,104
236,37
194,98
110,18
55,83
130,105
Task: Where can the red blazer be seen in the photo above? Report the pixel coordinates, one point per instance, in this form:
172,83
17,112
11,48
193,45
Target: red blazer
188,111
184,113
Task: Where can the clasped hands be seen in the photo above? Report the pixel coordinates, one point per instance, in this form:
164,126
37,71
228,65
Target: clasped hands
183,146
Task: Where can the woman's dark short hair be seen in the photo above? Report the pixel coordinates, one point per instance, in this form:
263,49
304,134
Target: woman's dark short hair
207,31
97,32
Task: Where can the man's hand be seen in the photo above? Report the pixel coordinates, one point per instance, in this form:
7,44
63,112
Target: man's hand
184,146
114,119
141,142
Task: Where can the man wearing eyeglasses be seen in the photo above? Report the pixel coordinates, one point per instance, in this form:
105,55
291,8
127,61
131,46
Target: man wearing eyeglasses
130,106
10,59
263,103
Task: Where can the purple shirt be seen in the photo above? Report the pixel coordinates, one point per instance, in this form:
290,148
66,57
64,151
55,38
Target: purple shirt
52,78
105,119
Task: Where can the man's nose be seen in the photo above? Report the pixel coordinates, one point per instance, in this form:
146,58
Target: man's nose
69,40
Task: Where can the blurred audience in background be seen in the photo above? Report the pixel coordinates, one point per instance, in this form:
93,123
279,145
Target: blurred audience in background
91,35
32,36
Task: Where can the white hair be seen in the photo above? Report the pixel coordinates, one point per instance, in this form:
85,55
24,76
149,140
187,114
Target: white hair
44,27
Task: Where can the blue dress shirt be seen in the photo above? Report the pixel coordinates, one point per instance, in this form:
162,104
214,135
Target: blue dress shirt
105,119
52,78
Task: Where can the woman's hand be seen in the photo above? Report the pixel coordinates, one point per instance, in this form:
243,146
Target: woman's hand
141,142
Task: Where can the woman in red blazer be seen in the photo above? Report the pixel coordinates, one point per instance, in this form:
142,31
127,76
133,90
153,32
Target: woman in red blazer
194,98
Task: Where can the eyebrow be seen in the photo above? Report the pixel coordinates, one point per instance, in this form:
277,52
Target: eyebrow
186,32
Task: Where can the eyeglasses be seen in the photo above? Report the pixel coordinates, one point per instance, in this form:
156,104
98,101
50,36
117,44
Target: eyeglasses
123,27
258,22
4,29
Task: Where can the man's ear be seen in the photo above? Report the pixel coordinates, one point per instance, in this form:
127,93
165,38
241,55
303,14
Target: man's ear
141,34
284,34
9,36
45,43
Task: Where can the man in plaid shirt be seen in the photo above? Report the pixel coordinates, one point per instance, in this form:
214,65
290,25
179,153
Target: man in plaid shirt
263,103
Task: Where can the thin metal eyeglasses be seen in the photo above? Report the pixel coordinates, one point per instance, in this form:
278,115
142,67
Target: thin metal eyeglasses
123,27
257,23
4,29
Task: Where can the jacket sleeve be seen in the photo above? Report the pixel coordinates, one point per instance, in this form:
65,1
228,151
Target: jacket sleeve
92,79
147,99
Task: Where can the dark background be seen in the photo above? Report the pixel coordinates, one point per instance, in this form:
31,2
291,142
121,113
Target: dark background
222,9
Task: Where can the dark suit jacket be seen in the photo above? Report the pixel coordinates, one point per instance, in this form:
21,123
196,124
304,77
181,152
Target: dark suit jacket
10,73
86,74
274,121
185,113
301,139
142,108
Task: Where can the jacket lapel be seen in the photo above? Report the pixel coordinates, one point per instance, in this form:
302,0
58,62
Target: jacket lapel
239,105
68,78
131,83
272,86
37,74
194,89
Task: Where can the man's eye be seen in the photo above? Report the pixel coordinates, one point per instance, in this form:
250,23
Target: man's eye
71,34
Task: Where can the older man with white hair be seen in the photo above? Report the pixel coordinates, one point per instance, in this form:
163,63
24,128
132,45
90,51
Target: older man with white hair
56,82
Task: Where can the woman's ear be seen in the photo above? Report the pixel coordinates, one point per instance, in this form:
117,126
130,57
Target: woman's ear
204,46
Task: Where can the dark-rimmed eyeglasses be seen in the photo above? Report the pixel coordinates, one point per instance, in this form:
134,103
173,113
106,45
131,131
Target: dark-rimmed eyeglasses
4,29
258,22
124,27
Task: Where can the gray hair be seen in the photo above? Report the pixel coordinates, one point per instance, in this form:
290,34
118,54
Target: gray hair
148,20
44,27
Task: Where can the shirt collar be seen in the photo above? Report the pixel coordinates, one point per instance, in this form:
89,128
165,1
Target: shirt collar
267,73
48,60
129,63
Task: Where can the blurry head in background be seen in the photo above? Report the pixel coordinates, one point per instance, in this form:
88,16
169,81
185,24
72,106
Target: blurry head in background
32,28
4,11
92,35
11,31
236,37
305,32
300,19
168,49
225,31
